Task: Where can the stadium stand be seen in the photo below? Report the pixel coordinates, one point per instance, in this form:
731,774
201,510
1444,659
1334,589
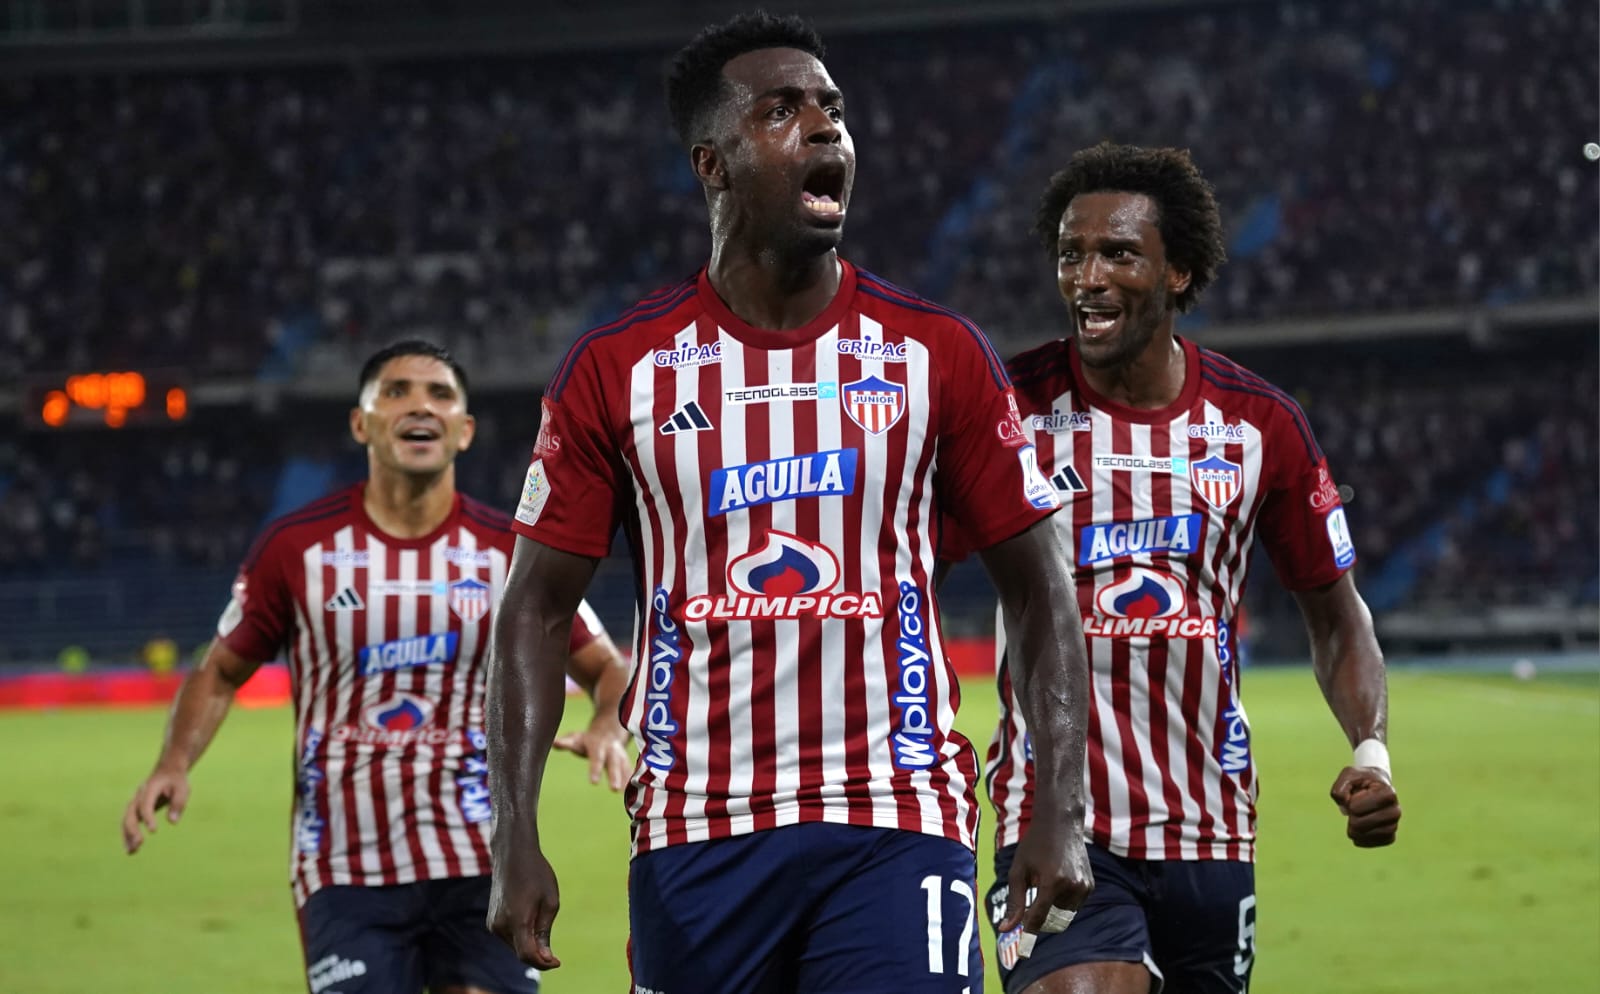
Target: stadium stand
263,228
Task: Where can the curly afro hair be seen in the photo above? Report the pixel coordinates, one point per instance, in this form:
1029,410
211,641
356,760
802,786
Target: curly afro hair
694,77
1186,205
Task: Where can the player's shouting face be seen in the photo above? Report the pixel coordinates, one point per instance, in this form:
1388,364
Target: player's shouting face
782,154
1113,271
413,416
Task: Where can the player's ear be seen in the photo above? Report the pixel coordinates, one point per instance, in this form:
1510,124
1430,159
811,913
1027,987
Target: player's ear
709,167
1178,279
469,428
358,426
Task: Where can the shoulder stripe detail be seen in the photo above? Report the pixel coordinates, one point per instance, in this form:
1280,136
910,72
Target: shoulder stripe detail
487,516
1221,380
326,508
874,287
653,306
1037,364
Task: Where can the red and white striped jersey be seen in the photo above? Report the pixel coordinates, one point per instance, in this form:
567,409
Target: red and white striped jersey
782,492
1161,508
386,643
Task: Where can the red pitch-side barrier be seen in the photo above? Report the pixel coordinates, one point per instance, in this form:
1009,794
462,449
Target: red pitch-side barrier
971,657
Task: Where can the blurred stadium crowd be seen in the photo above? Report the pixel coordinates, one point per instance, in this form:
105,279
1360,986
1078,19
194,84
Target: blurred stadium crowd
242,224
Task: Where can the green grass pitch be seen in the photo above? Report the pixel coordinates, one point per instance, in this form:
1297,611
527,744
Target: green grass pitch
1492,886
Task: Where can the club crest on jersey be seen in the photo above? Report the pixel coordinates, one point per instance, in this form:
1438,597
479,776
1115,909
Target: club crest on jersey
873,403
1217,479
813,474
1146,602
787,577
469,599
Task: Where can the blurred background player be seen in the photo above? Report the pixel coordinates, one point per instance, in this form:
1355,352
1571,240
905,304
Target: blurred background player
779,434
1171,462
383,595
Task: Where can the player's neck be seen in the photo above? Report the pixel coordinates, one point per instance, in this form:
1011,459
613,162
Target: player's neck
770,291
1150,381
405,506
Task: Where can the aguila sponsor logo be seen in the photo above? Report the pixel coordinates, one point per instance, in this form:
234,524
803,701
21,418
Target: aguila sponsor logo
788,577
815,474
1145,603
1113,540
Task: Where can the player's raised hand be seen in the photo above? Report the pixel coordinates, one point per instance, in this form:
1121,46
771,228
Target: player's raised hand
164,789
605,744
1050,874
1366,797
523,901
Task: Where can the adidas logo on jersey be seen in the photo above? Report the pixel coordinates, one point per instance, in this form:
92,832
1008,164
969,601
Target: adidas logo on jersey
1067,481
345,600
689,417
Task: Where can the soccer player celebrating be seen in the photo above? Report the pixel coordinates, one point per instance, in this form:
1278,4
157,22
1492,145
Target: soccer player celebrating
383,595
779,436
1171,461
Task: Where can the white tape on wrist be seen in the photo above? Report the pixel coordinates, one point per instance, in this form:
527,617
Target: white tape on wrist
1373,753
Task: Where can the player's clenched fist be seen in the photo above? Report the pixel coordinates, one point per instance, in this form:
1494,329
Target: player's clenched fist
1050,871
164,789
523,902
1367,798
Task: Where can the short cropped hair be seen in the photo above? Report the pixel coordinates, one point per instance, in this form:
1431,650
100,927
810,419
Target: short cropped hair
695,84
1186,205
405,347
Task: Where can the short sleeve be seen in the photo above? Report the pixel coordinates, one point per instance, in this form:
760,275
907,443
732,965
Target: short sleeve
259,617
988,476
570,495
586,628
1302,521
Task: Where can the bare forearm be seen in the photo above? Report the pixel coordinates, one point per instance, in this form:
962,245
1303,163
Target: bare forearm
608,690
1050,674
1349,663
526,696
198,710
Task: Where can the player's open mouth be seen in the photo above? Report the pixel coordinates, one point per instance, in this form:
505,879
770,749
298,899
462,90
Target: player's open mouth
420,435
1097,320
823,190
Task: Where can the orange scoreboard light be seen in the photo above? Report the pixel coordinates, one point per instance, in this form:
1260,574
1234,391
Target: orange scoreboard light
106,399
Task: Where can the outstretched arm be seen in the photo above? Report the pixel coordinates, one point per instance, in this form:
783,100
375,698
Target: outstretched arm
603,674
1349,667
527,689
1050,673
202,701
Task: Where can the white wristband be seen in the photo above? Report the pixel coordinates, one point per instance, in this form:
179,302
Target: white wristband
1373,753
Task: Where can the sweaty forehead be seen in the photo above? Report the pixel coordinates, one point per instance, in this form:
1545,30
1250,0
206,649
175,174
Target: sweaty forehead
764,69
1110,214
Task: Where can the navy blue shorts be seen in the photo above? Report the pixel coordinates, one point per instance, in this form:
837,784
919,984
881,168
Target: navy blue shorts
807,908
1192,923
404,937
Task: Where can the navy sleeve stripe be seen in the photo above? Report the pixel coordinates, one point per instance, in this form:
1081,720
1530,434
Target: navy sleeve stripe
486,516
1037,365
326,508
869,285
653,306
1312,449
1234,372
